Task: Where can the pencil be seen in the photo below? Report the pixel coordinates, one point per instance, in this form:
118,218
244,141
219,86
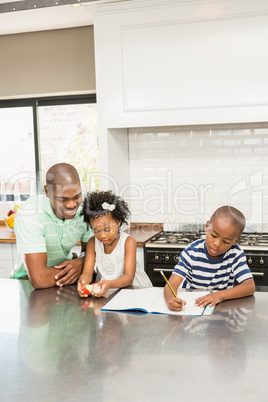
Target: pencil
168,283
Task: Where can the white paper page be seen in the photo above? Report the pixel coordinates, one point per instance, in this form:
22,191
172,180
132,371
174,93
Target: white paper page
190,308
152,300
143,299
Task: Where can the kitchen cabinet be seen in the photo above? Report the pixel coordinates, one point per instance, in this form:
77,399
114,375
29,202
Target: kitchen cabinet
180,63
8,252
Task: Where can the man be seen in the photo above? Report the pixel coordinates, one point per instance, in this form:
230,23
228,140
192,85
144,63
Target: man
47,226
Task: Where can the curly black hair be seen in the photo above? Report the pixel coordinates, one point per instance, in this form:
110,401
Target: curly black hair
92,206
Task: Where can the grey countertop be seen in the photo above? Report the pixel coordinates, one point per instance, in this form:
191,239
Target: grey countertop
55,346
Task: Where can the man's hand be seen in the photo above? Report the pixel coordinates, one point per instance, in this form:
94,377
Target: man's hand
69,272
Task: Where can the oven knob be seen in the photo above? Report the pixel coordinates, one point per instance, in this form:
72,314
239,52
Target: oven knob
156,257
249,260
261,261
166,257
177,258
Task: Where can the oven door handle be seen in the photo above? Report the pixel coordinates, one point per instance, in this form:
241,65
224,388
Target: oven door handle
163,269
257,273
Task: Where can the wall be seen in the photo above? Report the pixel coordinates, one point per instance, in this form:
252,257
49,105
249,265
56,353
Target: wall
182,174
182,66
47,62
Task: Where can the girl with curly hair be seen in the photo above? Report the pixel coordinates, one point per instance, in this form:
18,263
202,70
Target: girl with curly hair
111,251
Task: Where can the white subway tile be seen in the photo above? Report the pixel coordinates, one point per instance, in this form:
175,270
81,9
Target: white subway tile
252,142
217,158
222,133
261,131
242,152
246,132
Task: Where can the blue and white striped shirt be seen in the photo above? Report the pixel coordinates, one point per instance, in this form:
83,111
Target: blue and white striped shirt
199,271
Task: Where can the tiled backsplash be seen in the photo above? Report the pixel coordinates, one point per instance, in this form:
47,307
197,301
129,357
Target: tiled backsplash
182,174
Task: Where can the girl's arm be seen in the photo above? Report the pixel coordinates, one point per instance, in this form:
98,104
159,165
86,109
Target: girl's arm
129,269
88,268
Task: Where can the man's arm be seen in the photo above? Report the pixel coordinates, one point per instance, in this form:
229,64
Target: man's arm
41,276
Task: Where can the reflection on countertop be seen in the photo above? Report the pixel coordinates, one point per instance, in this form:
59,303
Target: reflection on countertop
57,345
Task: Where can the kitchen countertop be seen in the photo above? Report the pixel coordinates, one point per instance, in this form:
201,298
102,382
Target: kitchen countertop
142,232
56,346
6,235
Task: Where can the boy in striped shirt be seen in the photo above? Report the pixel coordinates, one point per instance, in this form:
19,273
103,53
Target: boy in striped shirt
214,263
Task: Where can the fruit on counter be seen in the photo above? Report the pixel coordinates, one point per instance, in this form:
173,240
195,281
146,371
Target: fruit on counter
10,220
11,216
13,211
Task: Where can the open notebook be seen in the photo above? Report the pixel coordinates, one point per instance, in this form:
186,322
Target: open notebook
151,300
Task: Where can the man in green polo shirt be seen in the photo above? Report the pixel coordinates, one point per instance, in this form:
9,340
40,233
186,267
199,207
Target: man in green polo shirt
47,227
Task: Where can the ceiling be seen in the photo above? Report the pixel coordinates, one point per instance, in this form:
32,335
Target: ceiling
39,15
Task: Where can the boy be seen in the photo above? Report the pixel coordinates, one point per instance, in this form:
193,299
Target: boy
214,263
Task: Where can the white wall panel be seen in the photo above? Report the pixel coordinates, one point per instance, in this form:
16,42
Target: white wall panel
203,63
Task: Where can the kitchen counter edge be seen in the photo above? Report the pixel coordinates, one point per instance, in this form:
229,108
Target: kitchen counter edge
142,232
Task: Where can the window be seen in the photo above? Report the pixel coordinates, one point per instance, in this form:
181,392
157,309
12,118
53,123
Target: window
37,133
17,162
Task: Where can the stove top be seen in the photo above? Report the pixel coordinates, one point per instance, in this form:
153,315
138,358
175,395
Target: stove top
254,241
174,238
165,239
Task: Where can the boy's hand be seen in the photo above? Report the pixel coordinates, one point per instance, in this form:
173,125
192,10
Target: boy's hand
176,304
212,299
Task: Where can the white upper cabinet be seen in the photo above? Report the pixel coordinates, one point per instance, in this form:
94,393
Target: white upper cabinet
177,63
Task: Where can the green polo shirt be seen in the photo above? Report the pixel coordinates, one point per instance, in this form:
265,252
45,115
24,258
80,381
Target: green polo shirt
38,230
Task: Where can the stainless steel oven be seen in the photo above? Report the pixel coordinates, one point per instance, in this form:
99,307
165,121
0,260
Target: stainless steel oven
162,252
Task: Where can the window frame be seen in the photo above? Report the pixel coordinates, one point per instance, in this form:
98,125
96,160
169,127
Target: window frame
35,102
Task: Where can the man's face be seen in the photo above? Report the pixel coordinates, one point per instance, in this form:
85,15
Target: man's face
64,199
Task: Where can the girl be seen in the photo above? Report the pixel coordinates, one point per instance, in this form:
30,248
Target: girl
113,251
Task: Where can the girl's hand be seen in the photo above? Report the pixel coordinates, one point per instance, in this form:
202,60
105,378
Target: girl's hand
104,286
83,280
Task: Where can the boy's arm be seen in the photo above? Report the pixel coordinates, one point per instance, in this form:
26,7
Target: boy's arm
246,288
173,303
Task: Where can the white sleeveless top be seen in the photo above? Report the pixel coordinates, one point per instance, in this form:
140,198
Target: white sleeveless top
111,266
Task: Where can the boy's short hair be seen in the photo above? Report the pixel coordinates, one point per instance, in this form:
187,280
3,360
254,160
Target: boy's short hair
230,215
